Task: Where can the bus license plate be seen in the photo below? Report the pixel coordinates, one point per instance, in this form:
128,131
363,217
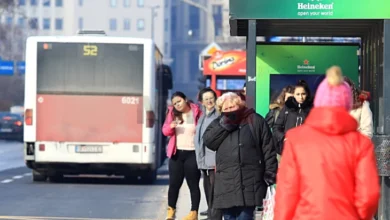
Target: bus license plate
89,149
6,130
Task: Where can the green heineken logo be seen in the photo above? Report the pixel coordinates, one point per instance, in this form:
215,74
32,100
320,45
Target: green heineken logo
315,5
315,8
306,67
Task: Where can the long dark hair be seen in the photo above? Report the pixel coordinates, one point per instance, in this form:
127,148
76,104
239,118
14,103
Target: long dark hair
176,113
303,84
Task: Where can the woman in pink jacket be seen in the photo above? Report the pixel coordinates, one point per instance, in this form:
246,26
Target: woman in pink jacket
180,126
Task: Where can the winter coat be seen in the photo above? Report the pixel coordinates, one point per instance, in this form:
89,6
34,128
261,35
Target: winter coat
363,115
243,162
292,115
327,171
171,132
204,156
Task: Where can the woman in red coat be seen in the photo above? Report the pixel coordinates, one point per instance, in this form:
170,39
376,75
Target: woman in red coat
328,169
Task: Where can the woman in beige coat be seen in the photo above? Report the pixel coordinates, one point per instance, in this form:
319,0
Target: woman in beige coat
361,109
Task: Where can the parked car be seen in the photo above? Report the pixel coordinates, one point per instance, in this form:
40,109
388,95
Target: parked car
11,126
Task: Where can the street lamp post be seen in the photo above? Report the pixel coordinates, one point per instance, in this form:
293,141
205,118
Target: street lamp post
154,14
211,31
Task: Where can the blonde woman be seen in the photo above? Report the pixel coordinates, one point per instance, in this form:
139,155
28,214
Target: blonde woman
361,109
245,157
278,104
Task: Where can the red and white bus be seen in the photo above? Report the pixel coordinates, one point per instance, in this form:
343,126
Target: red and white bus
94,105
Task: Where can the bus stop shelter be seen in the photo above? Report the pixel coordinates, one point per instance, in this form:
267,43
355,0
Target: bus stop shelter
369,20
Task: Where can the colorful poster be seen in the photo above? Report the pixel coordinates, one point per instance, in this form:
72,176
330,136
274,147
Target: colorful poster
280,65
226,63
309,9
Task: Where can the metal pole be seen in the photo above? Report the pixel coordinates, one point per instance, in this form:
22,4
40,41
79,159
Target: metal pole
152,23
211,33
13,42
382,138
251,65
386,76
212,26
153,14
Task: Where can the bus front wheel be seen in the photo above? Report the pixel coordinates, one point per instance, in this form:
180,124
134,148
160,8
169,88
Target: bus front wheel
56,178
38,177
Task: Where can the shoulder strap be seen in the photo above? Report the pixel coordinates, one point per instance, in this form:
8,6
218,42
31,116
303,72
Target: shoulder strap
276,115
253,132
250,123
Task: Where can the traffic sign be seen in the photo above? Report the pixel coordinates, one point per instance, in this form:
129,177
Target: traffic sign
210,49
207,52
21,67
6,67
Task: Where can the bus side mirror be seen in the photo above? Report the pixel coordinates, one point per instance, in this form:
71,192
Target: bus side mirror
167,78
167,82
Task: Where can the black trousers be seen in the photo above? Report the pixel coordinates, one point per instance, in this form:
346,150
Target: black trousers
183,164
208,184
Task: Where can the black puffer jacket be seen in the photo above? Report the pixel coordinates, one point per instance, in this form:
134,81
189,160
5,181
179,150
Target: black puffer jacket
292,115
242,165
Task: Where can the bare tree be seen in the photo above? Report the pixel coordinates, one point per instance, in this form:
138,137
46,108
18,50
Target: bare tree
12,46
6,5
12,37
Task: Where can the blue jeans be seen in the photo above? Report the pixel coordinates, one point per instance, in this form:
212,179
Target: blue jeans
239,213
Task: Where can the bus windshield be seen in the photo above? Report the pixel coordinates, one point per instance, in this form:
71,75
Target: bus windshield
89,68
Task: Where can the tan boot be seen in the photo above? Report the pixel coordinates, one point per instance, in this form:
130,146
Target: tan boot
171,213
192,216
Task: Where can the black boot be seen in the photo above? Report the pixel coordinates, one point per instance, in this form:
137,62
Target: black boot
204,213
215,214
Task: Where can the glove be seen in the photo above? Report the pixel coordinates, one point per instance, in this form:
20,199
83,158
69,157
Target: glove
269,178
227,124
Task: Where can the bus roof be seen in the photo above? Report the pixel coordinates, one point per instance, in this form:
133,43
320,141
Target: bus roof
89,38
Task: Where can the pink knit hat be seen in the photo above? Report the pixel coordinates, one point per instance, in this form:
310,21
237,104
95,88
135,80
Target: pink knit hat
333,91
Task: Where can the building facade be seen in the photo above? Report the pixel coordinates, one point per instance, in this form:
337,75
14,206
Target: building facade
124,18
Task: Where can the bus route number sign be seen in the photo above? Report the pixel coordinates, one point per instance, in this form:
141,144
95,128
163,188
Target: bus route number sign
130,100
90,50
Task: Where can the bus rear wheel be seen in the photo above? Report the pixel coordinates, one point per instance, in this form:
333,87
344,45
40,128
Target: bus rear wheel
38,177
143,177
56,178
149,177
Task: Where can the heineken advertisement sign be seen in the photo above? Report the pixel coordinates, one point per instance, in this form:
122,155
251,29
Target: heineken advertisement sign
309,9
279,65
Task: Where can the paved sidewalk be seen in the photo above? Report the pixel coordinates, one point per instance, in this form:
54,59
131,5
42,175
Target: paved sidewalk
184,202
183,206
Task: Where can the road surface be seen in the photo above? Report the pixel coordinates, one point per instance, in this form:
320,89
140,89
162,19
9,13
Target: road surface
11,155
74,198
